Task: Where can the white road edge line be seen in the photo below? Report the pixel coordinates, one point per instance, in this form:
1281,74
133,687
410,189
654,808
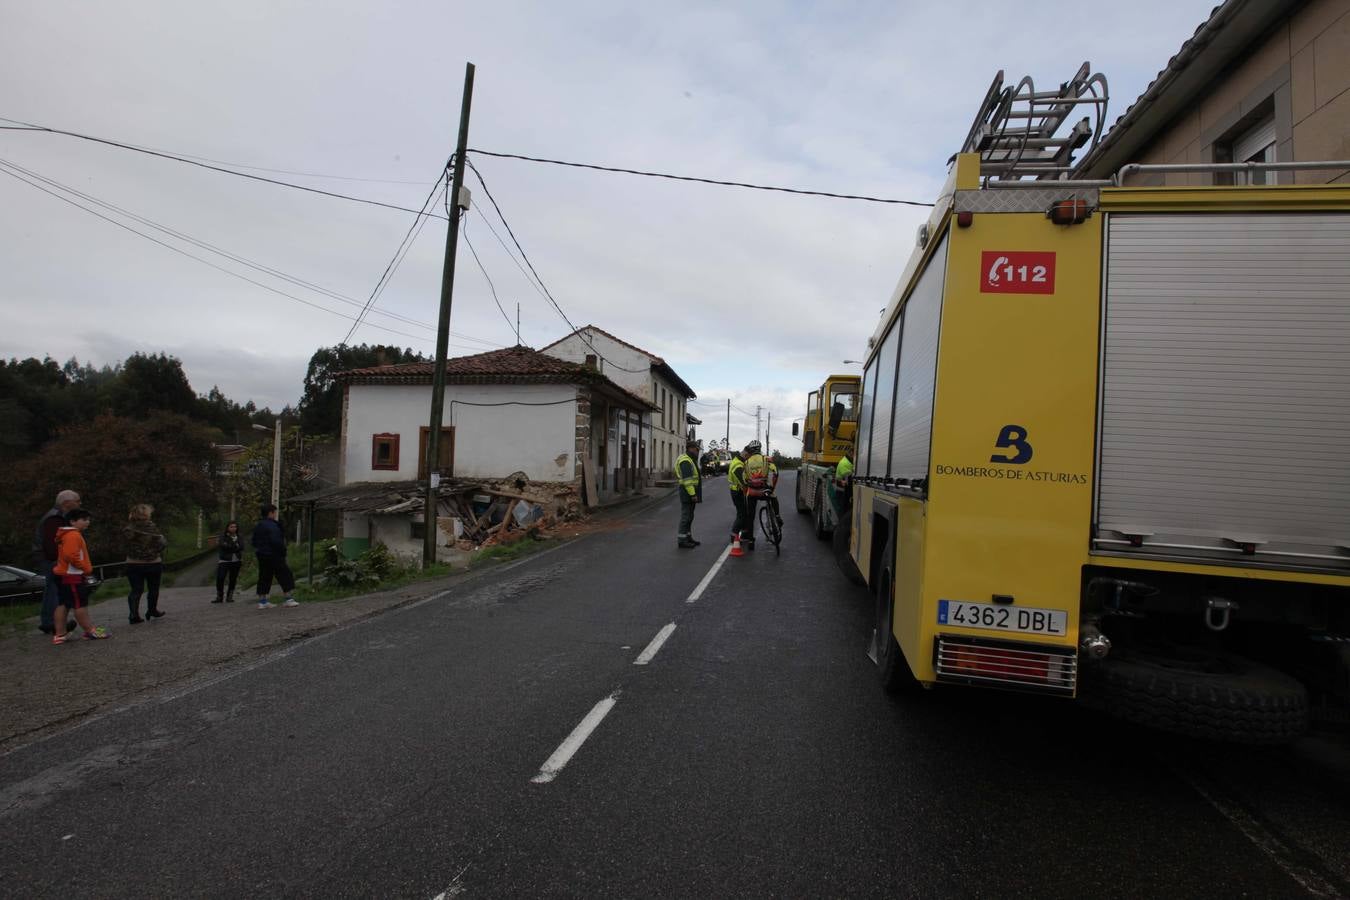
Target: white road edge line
646,655
1266,842
555,763
707,579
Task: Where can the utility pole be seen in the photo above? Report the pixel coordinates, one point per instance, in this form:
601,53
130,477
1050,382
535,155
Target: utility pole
768,425
728,443
757,409
430,507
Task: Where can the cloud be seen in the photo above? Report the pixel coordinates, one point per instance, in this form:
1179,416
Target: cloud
749,294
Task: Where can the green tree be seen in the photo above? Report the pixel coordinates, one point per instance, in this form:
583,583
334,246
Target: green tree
321,404
148,382
163,459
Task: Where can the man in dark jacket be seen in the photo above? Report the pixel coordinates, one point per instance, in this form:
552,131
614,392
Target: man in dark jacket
269,544
44,555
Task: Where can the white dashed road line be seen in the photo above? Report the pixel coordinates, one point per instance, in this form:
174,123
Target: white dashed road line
646,655
707,579
555,763
568,748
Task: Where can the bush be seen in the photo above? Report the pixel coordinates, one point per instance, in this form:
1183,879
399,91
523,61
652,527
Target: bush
372,567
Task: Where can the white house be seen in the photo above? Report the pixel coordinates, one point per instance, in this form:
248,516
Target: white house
659,439
506,411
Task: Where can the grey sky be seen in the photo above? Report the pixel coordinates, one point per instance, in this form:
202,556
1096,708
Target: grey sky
747,294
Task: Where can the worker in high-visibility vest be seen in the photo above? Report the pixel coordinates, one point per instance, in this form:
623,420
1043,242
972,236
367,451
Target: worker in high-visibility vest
736,482
839,487
844,470
691,493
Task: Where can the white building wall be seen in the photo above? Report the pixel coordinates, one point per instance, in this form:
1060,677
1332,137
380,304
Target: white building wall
490,441
665,444
617,358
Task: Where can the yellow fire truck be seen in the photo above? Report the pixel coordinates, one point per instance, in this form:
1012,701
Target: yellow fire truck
827,434
1104,444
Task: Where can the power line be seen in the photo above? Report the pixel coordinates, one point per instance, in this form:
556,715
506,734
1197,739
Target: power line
27,126
740,184
491,286
205,245
413,230
547,293
181,252
239,165
219,251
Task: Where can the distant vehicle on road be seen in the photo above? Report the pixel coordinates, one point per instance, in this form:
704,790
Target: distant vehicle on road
20,585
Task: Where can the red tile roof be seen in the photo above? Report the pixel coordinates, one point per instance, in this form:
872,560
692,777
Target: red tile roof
512,365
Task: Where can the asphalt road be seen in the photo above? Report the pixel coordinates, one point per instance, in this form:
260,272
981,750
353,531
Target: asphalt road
753,755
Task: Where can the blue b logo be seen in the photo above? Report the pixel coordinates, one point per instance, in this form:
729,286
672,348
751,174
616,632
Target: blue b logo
1013,437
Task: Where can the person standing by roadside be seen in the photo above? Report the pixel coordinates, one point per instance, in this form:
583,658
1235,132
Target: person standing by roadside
269,544
44,555
736,482
230,549
691,493
73,570
145,562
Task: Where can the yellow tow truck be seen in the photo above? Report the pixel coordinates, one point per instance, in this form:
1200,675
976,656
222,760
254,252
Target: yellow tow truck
827,433
1104,445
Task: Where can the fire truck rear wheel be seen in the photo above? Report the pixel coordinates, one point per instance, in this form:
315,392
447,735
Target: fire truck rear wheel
1228,698
797,494
894,671
842,558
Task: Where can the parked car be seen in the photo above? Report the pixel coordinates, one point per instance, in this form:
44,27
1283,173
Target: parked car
20,585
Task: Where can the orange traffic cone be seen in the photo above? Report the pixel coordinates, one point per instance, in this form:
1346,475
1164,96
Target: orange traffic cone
736,545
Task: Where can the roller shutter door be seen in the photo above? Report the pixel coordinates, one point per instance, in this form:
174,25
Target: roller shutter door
883,399
862,464
1225,418
913,429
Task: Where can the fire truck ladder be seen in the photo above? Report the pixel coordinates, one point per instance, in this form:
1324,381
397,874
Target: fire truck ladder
1014,132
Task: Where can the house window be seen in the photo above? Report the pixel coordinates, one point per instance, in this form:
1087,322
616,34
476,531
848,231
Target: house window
384,452
1256,145
446,463
417,531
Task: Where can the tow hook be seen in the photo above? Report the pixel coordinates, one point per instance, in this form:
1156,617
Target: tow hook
1218,612
1092,642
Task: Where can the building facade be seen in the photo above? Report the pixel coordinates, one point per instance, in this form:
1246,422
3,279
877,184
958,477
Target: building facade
657,441
1259,81
508,412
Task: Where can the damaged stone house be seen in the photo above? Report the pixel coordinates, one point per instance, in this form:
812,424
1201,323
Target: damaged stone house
514,416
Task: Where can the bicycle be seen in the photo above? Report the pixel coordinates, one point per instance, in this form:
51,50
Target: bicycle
770,522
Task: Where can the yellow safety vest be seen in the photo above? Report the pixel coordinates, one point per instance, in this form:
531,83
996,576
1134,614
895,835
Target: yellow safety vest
686,470
843,470
736,475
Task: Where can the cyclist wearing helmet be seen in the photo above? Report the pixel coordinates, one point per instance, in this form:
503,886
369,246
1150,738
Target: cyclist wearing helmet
756,484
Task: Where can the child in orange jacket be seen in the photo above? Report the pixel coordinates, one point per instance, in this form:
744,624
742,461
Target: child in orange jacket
72,571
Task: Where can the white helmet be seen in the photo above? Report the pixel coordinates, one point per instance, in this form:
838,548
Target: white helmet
753,447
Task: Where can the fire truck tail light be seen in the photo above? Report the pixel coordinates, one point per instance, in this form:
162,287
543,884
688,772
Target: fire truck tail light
1028,667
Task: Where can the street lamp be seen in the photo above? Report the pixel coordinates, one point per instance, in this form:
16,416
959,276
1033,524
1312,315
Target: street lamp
276,459
847,362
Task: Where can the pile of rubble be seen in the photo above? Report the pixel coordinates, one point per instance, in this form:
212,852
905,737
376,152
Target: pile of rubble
503,511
